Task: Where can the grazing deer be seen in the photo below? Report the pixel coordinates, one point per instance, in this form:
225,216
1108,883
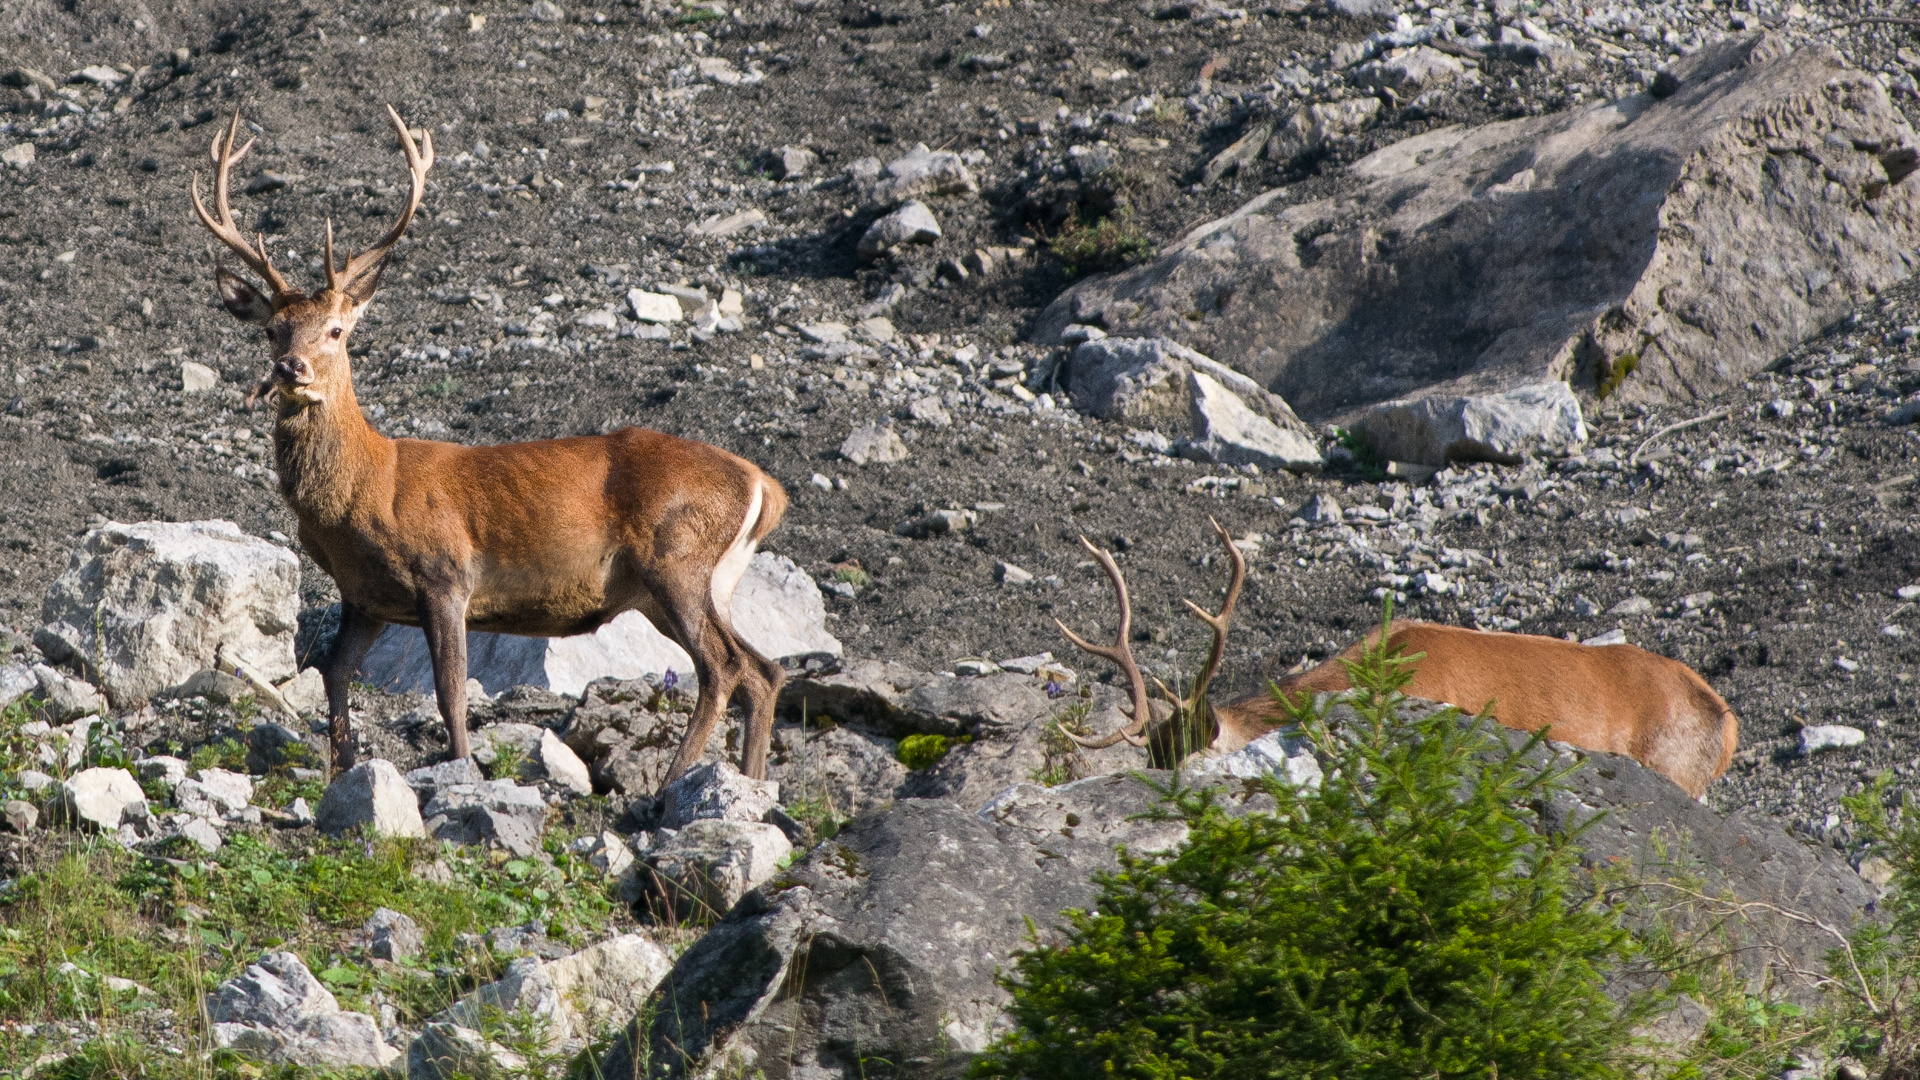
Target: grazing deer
546,538
1615,698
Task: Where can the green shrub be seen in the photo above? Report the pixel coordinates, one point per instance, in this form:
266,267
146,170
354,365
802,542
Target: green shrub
1876,976
1404,920
1089,244
918,752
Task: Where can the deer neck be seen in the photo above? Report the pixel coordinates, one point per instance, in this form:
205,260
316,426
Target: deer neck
326,454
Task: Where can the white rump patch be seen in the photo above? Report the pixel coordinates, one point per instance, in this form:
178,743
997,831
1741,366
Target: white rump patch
733,565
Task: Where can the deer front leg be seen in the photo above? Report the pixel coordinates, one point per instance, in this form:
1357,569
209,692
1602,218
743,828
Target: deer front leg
358,631
443,616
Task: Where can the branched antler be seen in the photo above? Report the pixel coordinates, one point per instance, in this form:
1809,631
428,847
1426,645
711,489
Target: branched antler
419,160
1120,653
254,254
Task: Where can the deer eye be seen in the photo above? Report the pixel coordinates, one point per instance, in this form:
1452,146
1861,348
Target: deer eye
334,333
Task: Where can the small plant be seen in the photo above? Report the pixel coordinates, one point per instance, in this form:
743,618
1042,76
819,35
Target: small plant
1610,374
227,753
918,752
1060,758
507,761
1367,460
700,16
444,387
852,573
1405,918
1090,244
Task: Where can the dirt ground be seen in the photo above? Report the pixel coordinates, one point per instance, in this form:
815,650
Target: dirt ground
551,199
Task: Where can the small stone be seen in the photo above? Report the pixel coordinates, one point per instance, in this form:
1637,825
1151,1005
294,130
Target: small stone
1632,605
913,223
201,833
300,813
372,795
393,936
1012,575
1322,509
19,816
874,443
1908,592
1584,607
820,481
1780,409
789,162
431,780
1847,664
1028,665
928,410
923,172
938,523
975,668
721,225
1611,637
1877,870
33,780
18,156
197,377
546,11
823,333
1828,737
732,303
878,329
716,790
652,307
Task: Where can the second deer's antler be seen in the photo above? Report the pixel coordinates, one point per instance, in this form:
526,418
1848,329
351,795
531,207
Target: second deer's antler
1121,654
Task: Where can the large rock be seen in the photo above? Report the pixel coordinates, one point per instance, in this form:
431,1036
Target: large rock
884,943
497,812
924,172
1226,432
1502,427
374,796
912,223
143,607
1695,237
706,867
898,700
777,608
100,798
278,1011
1234,420
575,999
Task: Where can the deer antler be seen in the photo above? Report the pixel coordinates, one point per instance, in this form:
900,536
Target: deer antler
1120,655
254,255
419,160
1218,623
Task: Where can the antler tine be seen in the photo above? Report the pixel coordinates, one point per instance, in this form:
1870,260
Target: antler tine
1219,623
333,278
1120,654
255,257
419,160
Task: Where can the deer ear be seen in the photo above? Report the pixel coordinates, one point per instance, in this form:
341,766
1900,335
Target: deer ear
360,290
242,301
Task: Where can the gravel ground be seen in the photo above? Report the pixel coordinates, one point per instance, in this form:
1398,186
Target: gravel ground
1768,541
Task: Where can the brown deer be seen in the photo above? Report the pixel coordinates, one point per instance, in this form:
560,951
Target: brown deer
1615,698
543,538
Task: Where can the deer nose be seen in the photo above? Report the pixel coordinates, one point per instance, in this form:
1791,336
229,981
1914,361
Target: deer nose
294,370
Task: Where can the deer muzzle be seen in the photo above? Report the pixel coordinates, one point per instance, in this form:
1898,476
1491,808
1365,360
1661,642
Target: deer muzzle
292,371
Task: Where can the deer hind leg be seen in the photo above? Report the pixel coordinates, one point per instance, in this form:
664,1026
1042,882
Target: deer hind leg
443,618
358,631
717,665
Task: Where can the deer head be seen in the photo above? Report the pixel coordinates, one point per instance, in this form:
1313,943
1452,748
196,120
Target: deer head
1184,723
307,332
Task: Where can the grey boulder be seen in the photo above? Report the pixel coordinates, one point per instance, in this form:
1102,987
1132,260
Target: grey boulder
923,172
278,1011
372,796
705,868
142,607
499,813
1504,427
876,443
1469,261
539,754
1226,432
716,791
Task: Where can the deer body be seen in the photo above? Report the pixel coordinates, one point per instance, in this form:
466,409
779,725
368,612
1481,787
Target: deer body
549,538
1613,698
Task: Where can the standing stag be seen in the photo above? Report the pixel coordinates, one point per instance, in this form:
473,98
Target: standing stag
1614,698
546,538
